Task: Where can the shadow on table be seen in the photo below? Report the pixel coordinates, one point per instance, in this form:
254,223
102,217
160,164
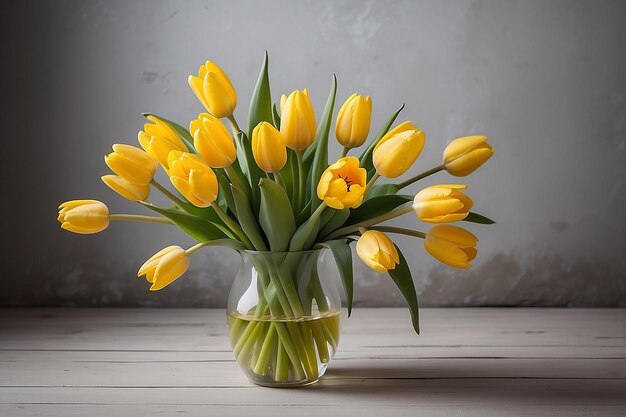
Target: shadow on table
489,381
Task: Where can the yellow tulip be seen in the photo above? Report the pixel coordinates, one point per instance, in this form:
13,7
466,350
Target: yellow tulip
353,121
193,178
125,188
84,216
442,203
297,121
465,155
214,90
343,183
377,251
212,140
268,148
158,139
131,163
398,149
164,267
451,245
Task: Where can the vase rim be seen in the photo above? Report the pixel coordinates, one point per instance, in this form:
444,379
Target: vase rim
270,252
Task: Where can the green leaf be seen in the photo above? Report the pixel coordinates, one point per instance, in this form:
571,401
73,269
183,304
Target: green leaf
276,215
225,196
261,102
247,220
377,206
478,218
382,189
249,167
182,132
366,157
335,222
320,160
198,228
401,276
227,243
304,237
343,257
276,117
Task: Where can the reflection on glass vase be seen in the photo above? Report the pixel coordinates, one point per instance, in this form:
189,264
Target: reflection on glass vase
284,315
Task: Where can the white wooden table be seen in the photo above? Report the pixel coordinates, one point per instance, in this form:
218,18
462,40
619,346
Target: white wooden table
468,362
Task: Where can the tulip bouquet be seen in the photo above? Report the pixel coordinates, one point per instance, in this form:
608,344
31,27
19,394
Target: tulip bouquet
270,191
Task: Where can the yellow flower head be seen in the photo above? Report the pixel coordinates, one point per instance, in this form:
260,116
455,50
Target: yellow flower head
342,185
442,203
158,139
84,216
214,90
353,121
212,140
377,251
398,149
164,267
193,178
451,245
465,155
127,189
297,121
268,148
131,163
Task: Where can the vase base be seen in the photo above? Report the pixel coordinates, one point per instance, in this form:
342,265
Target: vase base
292,384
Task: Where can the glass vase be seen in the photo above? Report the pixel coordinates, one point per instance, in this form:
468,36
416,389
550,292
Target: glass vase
284,314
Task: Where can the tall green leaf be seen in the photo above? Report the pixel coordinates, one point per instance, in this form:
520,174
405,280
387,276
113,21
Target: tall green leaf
335,222
366,157
276,215
478,218
376,206
401,276
343,257
261,101
247,220
181,131
276,117
320,160
200,229
382,189
249,167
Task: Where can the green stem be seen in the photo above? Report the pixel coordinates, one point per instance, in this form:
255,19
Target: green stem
280,181
400,231
301,178
233,124
140,218
266,349
235,179
233,226
344,152
420,176
180,203
371,182
282,363
375,220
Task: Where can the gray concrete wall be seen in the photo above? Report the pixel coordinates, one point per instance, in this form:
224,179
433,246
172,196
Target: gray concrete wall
546,80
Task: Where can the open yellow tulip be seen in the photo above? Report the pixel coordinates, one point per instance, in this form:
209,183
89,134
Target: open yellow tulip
212,141
193,178
398,149
84,216
465,155
164,267
268,148
377,251
158,139
214,90
131,163
452,245
442,203
342,185
125,188
353,121
297,121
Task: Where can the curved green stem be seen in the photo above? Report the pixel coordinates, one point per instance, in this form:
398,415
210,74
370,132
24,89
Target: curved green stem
233,124
400,231
233,226
180,203
371,182
140,218
375,220
344,152
301,178
420,176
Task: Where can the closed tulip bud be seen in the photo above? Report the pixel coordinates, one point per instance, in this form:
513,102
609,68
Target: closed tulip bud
214,90
297,121
377,251
268,148
84,216
353,121
442,203
342,185
164,267
193,178
451,245
125,188
158,139
465,155
131,163
212,141
283,100
398,149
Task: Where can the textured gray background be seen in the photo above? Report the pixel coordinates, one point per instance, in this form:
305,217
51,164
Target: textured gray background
546,80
